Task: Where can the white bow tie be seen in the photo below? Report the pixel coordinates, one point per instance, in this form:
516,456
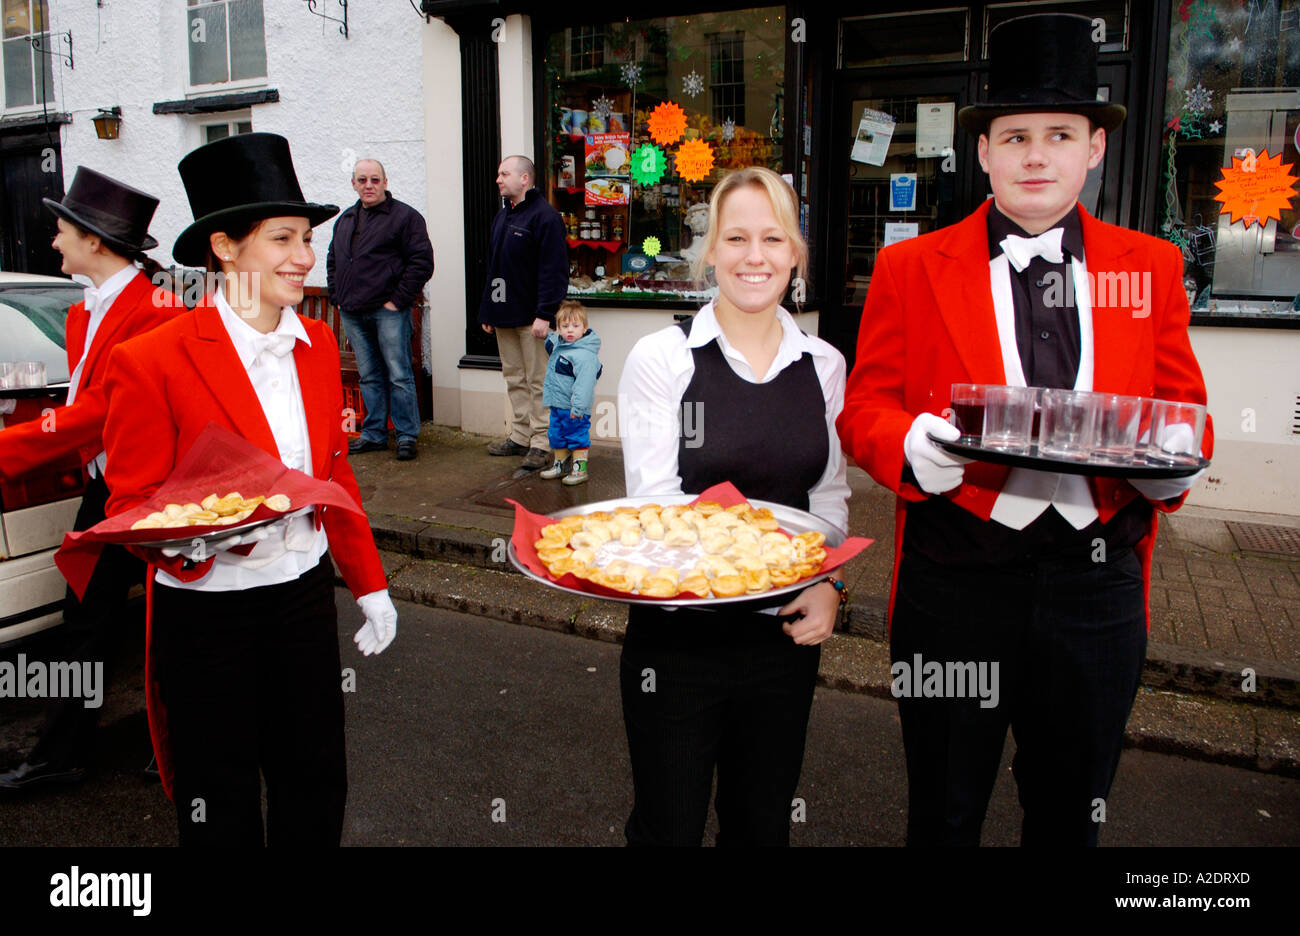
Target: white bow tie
1020,250
91,297
277,343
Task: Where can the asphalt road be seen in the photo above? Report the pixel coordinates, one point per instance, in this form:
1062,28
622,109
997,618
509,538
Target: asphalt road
466,721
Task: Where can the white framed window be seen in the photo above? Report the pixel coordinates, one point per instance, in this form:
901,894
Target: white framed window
28,73
226,42
211,130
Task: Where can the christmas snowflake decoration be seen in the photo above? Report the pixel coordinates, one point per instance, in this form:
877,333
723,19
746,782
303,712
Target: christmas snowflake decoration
651,246
602,106
729,129
694,160
1216,127
631,73
692,84
1198,99
648,164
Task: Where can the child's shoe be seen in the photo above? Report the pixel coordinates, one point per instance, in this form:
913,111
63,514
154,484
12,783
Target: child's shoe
556,470
578,474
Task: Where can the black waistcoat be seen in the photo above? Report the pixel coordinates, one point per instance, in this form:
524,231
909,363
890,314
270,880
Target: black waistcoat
767,439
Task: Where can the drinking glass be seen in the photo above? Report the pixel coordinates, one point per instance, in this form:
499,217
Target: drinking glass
1115,433
7,371
30,374
1066,427
968,409
1008,418
1176,432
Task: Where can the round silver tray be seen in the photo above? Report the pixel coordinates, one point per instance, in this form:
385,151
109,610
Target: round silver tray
791,520
209,537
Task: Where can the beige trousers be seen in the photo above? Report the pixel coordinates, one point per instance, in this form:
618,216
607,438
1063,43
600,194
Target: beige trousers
523,365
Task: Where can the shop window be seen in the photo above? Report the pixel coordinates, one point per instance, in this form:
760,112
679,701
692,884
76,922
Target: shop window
905,38
226,41
1110,18
1231,108
633,237
28,79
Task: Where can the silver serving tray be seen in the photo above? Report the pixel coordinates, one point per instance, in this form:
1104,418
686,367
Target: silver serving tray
213,536
791,520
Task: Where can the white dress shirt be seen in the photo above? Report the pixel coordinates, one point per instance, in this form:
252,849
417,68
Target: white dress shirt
295,545
98,299
1028,493
656,375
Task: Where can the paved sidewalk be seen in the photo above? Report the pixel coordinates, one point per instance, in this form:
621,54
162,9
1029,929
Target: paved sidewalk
1215,609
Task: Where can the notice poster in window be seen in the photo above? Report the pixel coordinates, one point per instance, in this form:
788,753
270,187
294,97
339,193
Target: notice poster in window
934,129
902,191
606,192
607,154
896,231
871,144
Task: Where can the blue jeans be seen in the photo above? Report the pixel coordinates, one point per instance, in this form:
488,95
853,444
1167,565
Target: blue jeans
382,343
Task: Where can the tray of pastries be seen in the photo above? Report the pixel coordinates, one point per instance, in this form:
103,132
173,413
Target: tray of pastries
213,518
678,550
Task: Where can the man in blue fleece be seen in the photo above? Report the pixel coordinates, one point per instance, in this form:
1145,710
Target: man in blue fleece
569,390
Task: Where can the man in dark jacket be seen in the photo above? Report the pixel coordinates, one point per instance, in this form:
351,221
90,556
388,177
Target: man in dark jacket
527,280
378,262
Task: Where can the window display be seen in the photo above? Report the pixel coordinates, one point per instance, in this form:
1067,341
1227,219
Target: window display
1231,142
644,117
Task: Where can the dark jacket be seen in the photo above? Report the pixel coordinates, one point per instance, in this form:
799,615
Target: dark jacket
528,276
391,260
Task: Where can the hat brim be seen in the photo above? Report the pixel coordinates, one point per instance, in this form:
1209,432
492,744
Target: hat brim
125,248
976,118
191,248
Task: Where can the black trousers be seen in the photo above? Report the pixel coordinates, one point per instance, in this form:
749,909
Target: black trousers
86,635
713,689
252,686
1070,638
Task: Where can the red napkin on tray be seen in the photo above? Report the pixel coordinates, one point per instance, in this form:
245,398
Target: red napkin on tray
528,529
218,463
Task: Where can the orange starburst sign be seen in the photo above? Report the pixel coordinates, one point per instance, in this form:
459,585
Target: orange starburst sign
667,123
694,160
1256,188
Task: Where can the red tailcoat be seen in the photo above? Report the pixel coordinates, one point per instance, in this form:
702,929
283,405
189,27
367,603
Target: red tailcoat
139,307
166,386
928,323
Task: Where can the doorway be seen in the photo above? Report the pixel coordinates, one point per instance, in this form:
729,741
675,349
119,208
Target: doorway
31,168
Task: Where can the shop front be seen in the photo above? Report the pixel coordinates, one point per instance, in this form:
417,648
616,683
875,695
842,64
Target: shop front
632,121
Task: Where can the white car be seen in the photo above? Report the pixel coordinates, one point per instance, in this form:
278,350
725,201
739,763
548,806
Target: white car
38,508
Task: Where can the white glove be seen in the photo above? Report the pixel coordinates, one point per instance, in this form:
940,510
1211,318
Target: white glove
201,550
381,623
936,471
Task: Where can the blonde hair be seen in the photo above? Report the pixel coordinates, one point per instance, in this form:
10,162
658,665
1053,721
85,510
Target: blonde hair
571,309
785,206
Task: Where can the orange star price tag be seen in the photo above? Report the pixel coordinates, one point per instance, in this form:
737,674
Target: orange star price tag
1256,188
667,123
694,160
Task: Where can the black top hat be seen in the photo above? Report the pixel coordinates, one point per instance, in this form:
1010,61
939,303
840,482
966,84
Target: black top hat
236,180
1046,62
119,214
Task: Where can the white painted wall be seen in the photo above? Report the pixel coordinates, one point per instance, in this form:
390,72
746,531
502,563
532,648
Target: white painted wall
339,98
1252,376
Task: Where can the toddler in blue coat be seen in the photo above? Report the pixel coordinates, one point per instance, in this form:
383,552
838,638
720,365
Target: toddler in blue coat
570,390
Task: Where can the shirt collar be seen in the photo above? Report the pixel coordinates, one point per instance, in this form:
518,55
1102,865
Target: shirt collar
107,292
378,206
794,342
242,334
1000,226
